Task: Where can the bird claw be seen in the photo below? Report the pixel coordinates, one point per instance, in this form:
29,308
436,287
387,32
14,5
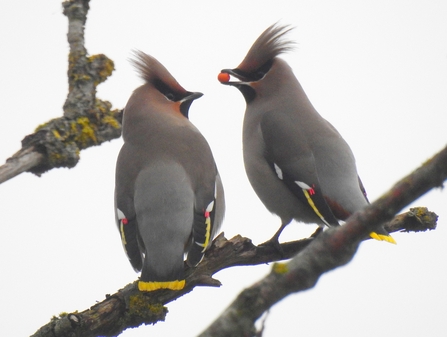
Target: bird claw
274,243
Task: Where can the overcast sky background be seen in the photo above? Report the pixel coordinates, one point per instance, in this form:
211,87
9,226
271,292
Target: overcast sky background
377,70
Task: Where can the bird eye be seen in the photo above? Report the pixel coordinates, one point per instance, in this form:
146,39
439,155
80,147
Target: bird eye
167,91
259,74
170,96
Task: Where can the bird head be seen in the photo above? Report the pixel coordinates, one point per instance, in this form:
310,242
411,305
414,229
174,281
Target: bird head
258,61
154,73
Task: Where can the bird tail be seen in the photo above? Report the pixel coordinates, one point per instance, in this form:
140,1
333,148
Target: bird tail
382,237
151,286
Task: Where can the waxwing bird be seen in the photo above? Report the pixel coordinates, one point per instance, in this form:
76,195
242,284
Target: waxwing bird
169,198
296,161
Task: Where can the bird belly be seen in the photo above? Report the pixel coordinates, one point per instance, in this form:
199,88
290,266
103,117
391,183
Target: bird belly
164,209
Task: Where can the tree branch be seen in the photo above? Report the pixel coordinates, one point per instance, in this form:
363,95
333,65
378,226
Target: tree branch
87,120
315,256
331,249
129,308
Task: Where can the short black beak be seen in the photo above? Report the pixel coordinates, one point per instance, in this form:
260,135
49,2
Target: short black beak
192,96
240,75
186,102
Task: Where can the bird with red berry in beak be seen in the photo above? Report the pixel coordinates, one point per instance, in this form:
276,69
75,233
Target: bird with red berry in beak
296,161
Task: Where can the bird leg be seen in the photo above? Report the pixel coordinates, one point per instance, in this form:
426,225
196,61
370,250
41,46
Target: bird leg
274,241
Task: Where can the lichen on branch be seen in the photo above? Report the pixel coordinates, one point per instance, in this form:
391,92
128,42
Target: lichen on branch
87,121
129,308
61,139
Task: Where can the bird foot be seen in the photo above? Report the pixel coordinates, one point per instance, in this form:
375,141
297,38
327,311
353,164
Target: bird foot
273,242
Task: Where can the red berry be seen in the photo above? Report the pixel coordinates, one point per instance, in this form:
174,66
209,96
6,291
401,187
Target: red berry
223,77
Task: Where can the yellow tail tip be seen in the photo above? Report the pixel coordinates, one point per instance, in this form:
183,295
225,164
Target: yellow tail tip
151,286
382,237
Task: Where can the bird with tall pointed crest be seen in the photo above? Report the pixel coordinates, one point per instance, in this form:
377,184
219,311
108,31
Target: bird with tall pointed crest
296,161
169,198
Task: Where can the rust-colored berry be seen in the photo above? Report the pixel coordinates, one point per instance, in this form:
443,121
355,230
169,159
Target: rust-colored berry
223,77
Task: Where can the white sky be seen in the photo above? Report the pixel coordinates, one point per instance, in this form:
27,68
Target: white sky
377,70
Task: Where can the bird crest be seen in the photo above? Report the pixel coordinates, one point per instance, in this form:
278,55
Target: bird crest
268,45
152,71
